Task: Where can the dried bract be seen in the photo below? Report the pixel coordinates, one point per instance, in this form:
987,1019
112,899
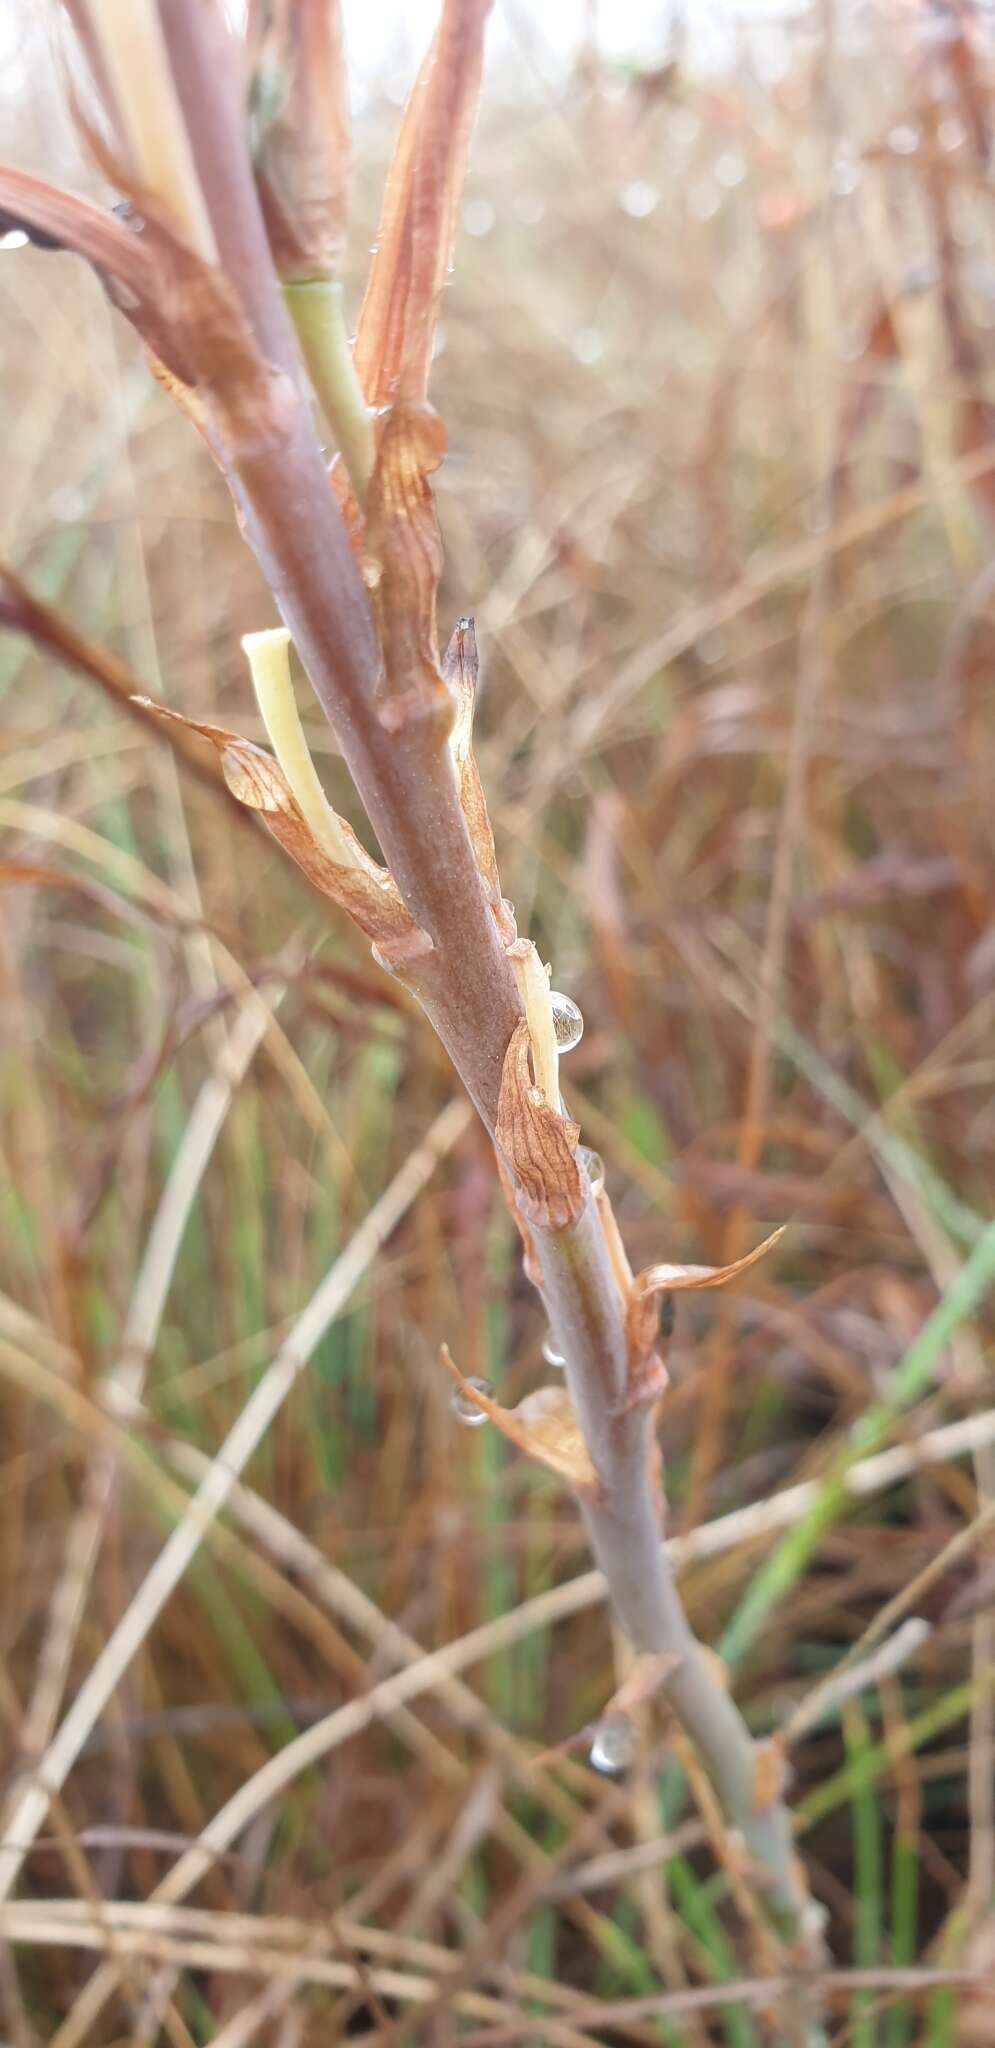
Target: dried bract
396,325
459,671
641,1317
544,1425
301,152
539,1144
364,889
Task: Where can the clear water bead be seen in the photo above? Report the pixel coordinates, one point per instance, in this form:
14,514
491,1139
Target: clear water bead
551,1355
904,139
612,1744
594,1167
465,1410
568,1024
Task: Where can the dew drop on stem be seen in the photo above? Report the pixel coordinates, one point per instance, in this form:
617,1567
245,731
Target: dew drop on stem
568,1024
465,1410
550,1353
612,1744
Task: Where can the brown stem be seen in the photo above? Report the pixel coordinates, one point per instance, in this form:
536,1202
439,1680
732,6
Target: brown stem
292,523
209,89
405,778
465,983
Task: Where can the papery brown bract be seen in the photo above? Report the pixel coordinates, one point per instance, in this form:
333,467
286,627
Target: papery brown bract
641,1316
364,889
459,670
401,549
302,153
184,309
544,1425
396,325
539,1144
402,561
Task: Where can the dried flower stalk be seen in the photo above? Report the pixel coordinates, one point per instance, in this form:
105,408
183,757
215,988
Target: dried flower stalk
352,558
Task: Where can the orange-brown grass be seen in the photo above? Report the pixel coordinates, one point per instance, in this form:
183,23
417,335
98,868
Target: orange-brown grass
721,495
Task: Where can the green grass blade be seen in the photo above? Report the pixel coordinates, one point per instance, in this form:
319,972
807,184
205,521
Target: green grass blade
912,1379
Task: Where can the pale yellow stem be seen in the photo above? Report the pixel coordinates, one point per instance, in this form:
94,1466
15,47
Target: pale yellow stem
533,987
130,38
268,656
315,305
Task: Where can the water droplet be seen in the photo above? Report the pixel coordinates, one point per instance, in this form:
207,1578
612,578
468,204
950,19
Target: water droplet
639,198
465,1410
588,345
568,1024
612,1744
15,238
951,133
478,216
730,169
129,216
594,1167
551,1355
904,139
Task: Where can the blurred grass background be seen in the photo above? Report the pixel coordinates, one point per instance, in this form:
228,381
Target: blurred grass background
715,368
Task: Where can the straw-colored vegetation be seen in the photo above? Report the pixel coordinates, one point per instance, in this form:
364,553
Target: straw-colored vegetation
309,1670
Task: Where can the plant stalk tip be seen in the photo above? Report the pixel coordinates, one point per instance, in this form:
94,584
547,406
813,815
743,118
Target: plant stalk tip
268,655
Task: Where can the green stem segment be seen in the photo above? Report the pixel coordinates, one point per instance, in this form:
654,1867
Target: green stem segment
316,309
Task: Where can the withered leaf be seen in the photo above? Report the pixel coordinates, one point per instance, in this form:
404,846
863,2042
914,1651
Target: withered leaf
539,1144
544,1425
63,220
402,557
397,318
301,155
364,889
402,553
185,310
459,670
667,1279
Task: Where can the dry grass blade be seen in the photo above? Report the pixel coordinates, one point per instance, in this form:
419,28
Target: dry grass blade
396,325
31,1805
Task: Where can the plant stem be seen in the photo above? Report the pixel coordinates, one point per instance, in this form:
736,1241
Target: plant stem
315,306
466,982
624,1530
